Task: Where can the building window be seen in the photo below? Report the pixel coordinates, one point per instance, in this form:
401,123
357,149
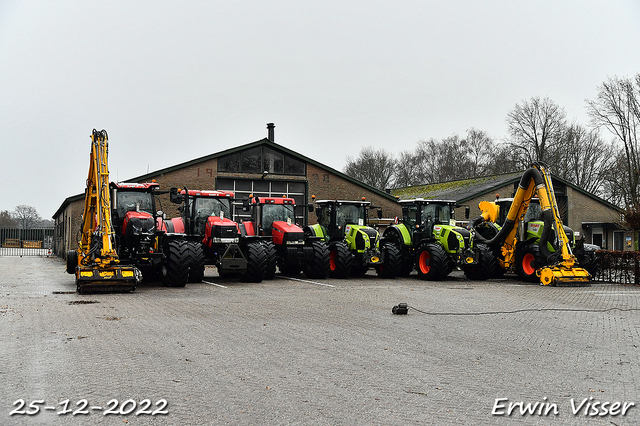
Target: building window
618,240
259,160
229,163
251,160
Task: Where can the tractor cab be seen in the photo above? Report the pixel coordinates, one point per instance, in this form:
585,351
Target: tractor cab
133,212
337,217
274,217
424,217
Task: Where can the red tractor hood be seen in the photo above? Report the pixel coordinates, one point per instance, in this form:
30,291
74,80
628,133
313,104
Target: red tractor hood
283,231
140,219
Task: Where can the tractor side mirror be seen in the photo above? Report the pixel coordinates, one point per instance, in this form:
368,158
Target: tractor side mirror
245,205
467,211
174,197
310,207
379,213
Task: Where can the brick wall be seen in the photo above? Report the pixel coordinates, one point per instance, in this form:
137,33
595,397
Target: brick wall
329,186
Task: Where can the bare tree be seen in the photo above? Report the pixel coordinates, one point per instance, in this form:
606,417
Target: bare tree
617,109
535,126
6,219
373,167
408,170
26,216
480,151
583,158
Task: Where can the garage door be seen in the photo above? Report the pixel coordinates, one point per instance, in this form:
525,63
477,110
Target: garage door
265,188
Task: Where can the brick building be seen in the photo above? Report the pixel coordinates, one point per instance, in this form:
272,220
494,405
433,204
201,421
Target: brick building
598,220
262,168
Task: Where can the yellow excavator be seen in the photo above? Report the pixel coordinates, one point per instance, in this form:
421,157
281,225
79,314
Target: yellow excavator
559,268
95,263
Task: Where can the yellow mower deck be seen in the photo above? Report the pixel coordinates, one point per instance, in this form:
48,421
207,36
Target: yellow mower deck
107,279
564,277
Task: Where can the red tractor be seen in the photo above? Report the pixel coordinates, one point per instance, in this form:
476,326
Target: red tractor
213,238
140,239
289,248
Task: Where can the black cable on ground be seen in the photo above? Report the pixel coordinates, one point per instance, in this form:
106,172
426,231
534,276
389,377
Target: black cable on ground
403,309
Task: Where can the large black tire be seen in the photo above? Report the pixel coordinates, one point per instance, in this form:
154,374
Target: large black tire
175,268
407,262
196,261
392,261
270,250
340,260
72,261
319,265
432,262
527,261
485,267
256,262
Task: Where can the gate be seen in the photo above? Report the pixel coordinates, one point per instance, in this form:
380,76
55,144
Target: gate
26,242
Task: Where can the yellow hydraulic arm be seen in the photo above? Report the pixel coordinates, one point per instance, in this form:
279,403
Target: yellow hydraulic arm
563,270
98,267
96,244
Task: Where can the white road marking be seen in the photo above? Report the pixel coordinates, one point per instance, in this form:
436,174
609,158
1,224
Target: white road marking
307,281
217,285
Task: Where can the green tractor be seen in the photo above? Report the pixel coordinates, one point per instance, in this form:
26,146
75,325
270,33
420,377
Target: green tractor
354,246
430,241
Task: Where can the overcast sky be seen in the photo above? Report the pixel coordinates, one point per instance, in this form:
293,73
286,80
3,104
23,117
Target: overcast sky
171,81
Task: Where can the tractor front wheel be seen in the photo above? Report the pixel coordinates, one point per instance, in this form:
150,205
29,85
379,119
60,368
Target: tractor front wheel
256,262
432,262
319,265
270,250
485,267
527,261
72,261
392,265
340,260
175,268
196,262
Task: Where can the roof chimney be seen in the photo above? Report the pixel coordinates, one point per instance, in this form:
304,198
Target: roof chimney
270,132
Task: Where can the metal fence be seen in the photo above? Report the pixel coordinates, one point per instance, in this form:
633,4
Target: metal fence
26,242
621,267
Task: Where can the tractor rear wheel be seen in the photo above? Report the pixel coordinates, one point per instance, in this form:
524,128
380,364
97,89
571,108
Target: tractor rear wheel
485,267
196,262
175,268
319,265
256,262
270,250
527,261
392,265
340,260
432,262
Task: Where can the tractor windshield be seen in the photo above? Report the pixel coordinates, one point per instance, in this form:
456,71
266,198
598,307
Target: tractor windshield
534,212
205,207
277,212
439,214
134,201
350,214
